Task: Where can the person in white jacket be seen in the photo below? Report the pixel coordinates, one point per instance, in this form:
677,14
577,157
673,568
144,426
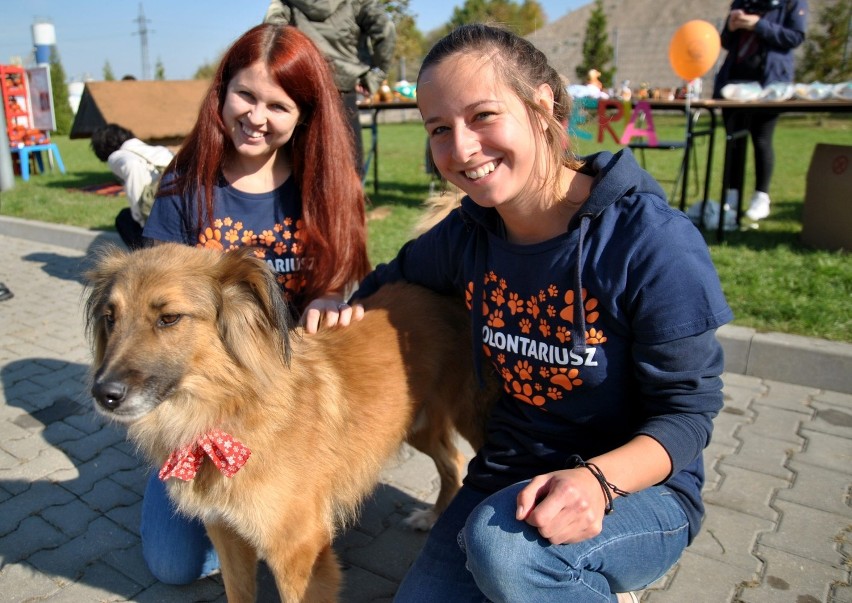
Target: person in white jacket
138,165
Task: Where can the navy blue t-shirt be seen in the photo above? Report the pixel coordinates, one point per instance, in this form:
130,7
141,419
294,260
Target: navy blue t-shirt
270,222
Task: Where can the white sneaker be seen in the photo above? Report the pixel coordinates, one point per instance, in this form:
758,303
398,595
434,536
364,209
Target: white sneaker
759,207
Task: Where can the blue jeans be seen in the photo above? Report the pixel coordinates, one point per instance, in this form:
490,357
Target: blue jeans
175,547
479,552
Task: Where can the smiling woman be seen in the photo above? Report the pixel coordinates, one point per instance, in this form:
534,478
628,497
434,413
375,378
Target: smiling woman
596,304
268,165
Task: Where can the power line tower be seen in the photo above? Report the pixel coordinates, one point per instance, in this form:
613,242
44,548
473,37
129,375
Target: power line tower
142,22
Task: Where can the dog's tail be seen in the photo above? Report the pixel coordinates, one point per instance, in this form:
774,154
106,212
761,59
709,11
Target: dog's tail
437,207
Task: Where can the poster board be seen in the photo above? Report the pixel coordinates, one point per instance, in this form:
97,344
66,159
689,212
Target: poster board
41,98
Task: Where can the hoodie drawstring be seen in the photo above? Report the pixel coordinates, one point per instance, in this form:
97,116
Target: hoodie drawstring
578,326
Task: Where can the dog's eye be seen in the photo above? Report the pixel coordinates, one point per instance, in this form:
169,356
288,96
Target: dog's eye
167,320
109,319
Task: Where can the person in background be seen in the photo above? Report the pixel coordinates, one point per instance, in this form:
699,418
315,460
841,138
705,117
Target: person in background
356,36
760,37
597,306
268,165
138,165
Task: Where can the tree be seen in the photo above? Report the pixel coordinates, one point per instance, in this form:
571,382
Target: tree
159,70
531,15
597,51
61,105
520,18
410,44
410,48
206,71
109,76
827,48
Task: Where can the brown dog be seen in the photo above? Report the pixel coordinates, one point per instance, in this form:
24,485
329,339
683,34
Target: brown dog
189,343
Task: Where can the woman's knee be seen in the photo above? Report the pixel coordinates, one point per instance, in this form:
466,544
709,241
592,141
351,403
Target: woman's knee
494,541
170,571
175,548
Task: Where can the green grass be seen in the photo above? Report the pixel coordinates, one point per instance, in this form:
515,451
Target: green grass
772,281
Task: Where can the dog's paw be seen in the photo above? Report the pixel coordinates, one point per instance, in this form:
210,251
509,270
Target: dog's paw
421,519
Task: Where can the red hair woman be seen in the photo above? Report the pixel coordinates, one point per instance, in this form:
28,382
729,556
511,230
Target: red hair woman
269,164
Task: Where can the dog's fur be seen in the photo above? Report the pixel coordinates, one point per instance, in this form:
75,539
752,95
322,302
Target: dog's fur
187,340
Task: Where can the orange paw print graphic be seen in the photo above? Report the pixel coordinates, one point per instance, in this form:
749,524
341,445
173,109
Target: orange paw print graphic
563,334
495,319
232,236
567,379
524,370
267,237
524,392
468,296
497,297
588,305
525,325
210,239
532,307
515,304
544,328
595,336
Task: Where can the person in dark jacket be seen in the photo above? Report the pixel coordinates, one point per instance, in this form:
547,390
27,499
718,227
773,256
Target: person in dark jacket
358,38
596,303
760,37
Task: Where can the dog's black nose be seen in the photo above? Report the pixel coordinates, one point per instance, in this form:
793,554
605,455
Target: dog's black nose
109,394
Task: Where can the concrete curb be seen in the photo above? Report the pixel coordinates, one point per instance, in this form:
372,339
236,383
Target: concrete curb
792,359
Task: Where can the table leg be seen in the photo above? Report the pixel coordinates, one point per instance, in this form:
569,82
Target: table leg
24,160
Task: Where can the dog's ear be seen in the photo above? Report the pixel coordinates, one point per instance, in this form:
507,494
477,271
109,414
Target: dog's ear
99,278
253,311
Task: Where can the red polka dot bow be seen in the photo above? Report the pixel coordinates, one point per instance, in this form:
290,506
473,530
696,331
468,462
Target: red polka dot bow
228,454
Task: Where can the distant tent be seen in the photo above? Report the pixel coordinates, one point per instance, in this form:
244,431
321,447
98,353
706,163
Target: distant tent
158,111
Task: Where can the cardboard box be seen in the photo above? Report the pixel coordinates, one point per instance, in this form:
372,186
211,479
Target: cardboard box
827,212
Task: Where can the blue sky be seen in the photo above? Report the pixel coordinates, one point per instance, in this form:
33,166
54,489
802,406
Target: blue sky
183,34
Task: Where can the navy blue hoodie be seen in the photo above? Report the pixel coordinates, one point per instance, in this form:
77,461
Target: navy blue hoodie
600,334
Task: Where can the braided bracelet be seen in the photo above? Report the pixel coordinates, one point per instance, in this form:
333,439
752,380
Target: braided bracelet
607,487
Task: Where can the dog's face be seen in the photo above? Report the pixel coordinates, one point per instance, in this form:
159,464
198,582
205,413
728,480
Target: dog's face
164,321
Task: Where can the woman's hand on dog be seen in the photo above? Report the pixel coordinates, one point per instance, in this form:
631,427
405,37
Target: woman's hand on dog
330,310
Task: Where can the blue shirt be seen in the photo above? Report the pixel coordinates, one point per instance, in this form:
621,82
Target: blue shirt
270,222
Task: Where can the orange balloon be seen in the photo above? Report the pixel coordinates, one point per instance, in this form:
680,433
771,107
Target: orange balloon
694,49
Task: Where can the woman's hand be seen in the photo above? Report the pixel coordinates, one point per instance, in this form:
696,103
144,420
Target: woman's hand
566,506
739,19
330,310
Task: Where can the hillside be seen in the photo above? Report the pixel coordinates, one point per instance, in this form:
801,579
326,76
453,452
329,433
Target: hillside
640,32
